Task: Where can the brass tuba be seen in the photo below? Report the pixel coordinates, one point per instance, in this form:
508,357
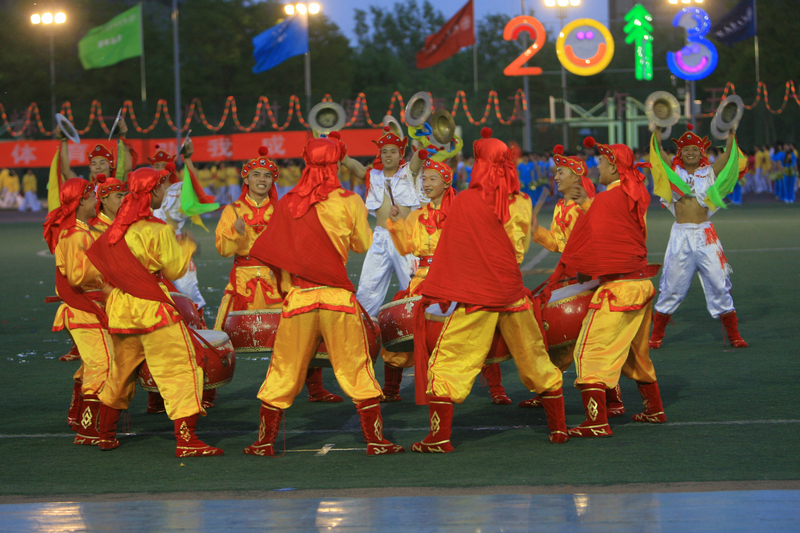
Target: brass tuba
727,117
662,109
326,117
418,109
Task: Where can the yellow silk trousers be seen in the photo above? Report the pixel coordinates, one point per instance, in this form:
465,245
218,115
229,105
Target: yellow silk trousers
171,359
245,275
97,351
614,342
465,341
295,345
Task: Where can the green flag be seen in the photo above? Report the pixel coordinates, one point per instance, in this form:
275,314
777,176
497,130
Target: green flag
117,39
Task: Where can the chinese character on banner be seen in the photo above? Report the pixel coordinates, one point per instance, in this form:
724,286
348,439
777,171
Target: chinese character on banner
220,148
23,154
274,144
77,154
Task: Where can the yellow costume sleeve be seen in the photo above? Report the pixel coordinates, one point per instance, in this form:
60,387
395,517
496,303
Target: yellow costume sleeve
403,234
518,226
344,218
547,238
227,238
156,247
73,263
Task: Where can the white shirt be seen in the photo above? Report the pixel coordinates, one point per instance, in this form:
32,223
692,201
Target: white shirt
171,207
699,182
405,189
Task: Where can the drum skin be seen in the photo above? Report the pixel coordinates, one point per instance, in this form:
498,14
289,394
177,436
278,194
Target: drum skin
397,324
254,331
188,310
218,362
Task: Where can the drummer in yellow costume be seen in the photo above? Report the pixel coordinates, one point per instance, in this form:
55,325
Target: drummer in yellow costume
109,197
68,237
312,231
418,235
252,284
134,255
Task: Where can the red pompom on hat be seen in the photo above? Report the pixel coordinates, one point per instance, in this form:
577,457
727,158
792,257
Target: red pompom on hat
690,127
387,128
170,167
335,135
558,149
486,133
589,142
100,178
263,150
423,154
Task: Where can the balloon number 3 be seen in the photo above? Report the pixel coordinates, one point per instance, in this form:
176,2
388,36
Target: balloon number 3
699,57
512,31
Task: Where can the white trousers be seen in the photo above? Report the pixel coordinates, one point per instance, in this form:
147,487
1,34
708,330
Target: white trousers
688,252
30,201
189,286
382,259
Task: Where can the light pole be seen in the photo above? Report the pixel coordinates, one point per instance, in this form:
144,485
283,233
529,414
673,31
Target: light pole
47,19
304,11
561,13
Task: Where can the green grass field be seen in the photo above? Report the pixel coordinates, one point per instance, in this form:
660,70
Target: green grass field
733,414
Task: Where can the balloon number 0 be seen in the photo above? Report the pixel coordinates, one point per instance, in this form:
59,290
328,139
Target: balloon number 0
535,30
699,57
585,47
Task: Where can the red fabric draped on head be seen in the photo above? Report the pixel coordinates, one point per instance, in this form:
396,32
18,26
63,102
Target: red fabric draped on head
267,164
136,205
320,177
72,192
632,181
494,174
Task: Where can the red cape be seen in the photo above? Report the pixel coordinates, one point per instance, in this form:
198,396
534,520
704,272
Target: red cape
475,262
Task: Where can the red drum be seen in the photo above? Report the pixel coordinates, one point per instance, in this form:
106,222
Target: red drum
218,363
397,324
188,310
254,331
563,316
497,353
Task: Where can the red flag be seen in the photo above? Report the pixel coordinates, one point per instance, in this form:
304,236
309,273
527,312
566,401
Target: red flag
457,33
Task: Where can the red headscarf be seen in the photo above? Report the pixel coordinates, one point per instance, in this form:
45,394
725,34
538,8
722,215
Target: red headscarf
268,165
577,165
631,178
105,187
136,206
494,174
71,193
320,177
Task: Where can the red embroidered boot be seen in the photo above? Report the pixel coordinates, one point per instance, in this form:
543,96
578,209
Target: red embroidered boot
107,427
594,401
614,405
75,406
87,421
438,440
155,403
732,327
536,401
494,376
660,322
553,401
653,409
268,428
372,427
188,444
316,392
72,355
392,377
209,396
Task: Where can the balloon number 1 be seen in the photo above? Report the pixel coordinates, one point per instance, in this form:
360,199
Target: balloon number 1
512,31
699,57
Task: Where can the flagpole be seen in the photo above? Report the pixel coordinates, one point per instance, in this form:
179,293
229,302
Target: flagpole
177,70
755,20
475,65
141,58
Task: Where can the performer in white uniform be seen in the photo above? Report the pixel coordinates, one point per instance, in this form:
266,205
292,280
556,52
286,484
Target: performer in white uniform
170,212
389,181
693,242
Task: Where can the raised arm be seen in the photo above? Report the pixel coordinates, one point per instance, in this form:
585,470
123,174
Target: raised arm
65,170
722,160
354,167
664,154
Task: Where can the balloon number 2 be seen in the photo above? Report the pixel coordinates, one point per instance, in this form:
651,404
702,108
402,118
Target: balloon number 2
585,47
699,57
512,31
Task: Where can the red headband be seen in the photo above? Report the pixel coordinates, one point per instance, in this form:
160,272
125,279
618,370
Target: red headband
161,157
63,217
101,151
390,138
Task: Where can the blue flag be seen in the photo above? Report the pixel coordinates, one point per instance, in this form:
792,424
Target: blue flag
737,25
277,44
